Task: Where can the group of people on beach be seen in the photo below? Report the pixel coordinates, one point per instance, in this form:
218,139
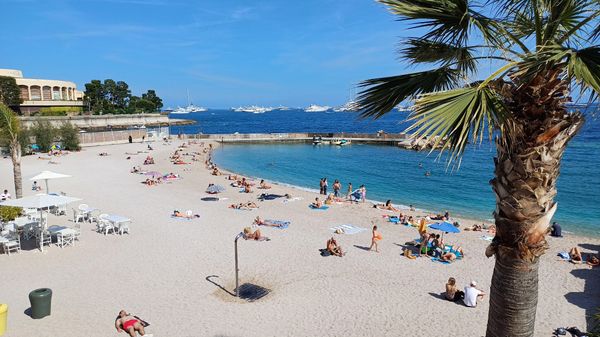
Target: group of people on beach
351,195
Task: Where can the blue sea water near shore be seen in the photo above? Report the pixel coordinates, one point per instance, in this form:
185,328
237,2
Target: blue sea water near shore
393,173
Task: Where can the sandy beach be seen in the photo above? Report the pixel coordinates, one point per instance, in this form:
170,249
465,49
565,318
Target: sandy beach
178,274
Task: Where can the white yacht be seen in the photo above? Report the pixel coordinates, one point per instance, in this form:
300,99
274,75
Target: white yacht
317,108
351,106
189,108
253,109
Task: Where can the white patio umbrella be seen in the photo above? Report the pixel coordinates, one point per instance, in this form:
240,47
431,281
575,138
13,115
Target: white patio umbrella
46,175
40,202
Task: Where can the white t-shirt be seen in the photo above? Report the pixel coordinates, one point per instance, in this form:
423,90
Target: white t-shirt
4,196
471,294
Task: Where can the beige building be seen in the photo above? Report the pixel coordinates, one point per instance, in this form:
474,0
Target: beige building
38,93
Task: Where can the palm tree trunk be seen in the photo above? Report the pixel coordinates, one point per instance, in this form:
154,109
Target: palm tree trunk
15,154
527,166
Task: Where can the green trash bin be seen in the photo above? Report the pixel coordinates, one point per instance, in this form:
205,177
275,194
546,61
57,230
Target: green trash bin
41,301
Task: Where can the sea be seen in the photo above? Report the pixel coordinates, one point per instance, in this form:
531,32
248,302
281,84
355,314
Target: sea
396,174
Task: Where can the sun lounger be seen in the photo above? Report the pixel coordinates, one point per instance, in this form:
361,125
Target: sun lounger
348,229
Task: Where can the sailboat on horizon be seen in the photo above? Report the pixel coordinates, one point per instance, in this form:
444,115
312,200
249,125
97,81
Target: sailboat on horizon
189,108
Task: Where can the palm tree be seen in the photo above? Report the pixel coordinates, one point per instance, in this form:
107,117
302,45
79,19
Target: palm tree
544,50
9,135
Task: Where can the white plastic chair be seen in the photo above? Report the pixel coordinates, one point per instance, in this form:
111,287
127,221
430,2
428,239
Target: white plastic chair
104,225
46,240
123,228
13,245
66,239
78,216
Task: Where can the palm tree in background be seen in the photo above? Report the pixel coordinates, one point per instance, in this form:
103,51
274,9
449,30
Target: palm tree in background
546,51
9,137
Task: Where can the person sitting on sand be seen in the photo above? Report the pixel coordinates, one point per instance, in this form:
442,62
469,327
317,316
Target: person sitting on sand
215,171
333,248
317,204
247,188
452,292
422,229
256,235
387,206
232,177
411,221
556,231
472,294
128,323
264,185
330,199
375,239
149,160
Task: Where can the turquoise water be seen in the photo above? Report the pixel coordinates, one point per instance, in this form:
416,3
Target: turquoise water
392,173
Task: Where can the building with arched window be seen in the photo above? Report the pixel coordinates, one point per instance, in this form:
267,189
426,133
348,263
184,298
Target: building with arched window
38,93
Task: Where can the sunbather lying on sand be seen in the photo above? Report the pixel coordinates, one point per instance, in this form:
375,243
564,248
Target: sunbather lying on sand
387,206
475,228
188,214
130,324
334,249
443,217
256,235
330,199
241,205
260,222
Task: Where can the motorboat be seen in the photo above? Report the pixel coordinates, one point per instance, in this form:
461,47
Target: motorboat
317,108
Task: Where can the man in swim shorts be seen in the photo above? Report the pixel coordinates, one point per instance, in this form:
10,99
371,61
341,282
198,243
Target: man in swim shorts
129,324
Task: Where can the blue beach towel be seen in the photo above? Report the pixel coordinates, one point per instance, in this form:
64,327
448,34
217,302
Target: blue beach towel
565,256
323,208
394,219
435,259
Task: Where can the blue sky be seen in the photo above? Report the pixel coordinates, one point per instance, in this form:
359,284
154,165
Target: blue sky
227,53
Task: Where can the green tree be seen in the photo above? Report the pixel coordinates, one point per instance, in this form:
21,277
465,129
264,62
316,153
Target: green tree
94,96
121,96
9,136
545,49
69,137
10,94
152,97
44,134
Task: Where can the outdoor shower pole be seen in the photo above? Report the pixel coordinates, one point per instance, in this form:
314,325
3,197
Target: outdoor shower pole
237,280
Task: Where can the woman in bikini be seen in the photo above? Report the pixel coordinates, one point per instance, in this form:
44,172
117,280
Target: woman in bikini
333,248
375,239
264,185
256,235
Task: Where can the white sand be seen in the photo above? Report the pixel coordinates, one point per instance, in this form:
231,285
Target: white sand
160,270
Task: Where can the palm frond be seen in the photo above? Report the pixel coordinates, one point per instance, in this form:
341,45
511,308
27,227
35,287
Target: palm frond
456,116
565,16
447,21
381,95
584,68
428,51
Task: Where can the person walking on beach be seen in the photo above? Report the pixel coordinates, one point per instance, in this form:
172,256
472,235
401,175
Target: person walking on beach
349,193
375,239
325,186
336,188
321,185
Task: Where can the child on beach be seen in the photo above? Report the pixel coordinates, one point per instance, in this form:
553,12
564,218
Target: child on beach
375,239
349,193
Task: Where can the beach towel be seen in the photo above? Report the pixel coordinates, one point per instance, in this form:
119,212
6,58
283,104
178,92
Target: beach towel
487,238
565,256
280,224
325,252
347,229
322,208
292,199
394,219
435,259
269,196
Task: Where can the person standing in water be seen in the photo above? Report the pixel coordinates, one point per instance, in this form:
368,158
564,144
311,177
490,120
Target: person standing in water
336,188
325,186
